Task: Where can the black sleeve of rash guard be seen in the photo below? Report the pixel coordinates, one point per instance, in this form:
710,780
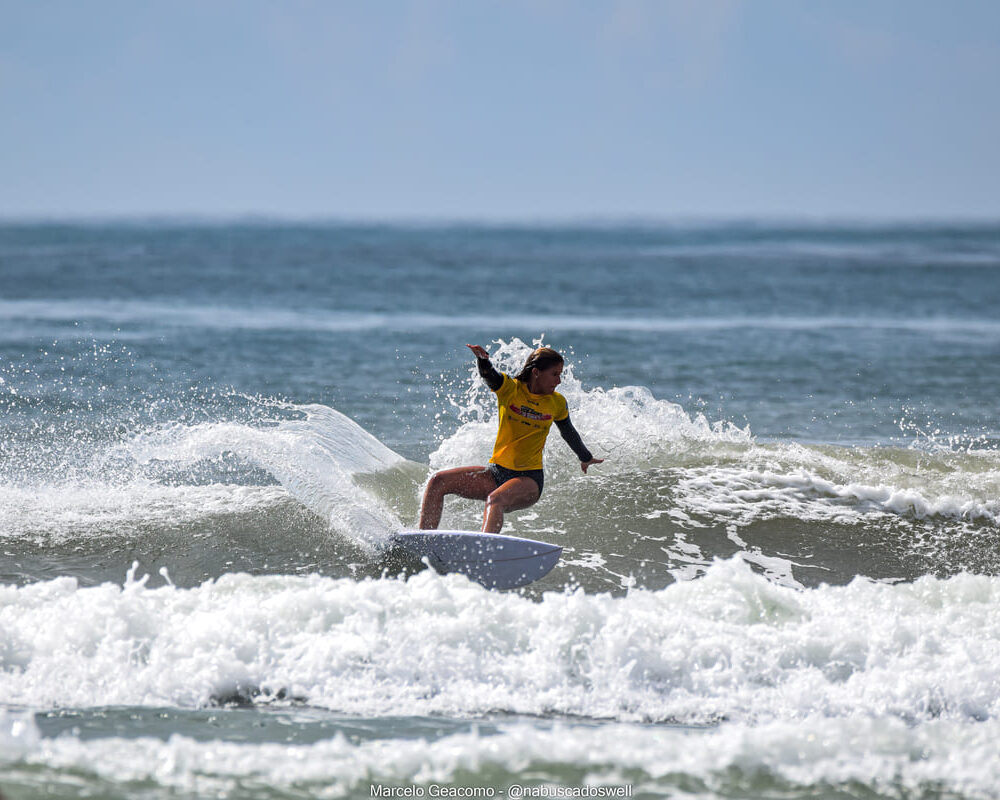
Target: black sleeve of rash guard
569,433
489,373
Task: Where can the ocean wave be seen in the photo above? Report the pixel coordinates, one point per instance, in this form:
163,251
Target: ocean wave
79,510
744,494
140,319
723,474
899,252
729,645
884,756
647,513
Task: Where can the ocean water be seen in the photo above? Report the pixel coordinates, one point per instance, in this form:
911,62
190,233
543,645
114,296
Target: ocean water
783,582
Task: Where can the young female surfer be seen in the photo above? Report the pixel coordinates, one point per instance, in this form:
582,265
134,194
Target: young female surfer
529,404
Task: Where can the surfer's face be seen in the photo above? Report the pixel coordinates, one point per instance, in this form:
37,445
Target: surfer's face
545,381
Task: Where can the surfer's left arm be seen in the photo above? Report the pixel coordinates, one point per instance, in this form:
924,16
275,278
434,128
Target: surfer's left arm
572,437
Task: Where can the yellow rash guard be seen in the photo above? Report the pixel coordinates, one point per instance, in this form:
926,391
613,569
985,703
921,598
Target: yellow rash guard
525,419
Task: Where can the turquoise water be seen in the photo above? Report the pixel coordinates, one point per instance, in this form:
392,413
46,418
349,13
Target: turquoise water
782,582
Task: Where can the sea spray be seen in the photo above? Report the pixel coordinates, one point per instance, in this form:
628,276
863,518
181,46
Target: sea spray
315,458
627,425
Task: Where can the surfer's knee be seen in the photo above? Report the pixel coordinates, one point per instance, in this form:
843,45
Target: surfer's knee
505,500
438,484
495,499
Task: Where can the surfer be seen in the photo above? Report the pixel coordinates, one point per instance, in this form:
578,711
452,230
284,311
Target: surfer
513,480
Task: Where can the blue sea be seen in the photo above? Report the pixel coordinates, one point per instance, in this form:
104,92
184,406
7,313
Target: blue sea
783,582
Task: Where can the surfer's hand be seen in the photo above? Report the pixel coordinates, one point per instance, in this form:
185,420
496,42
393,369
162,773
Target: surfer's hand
479,351
585,464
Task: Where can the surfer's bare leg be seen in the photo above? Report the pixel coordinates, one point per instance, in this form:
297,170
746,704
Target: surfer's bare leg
515,494
472,483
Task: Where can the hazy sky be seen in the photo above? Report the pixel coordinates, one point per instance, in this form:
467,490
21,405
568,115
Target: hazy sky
513,109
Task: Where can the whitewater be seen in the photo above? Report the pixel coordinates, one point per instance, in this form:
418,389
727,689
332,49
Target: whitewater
782,581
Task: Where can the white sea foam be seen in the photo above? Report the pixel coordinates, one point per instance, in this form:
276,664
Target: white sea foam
885,754
728,645
152,318
82,508
806,484
900,252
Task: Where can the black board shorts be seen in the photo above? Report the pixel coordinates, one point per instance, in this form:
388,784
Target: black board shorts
501,475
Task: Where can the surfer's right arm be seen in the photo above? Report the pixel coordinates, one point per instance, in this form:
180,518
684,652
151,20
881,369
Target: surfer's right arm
487,371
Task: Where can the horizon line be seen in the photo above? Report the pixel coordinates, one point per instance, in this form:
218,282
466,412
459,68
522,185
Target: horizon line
608,220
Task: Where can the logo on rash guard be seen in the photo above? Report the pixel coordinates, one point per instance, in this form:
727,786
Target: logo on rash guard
530,413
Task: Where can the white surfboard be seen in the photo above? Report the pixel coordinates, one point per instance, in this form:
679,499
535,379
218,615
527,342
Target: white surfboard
492,559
